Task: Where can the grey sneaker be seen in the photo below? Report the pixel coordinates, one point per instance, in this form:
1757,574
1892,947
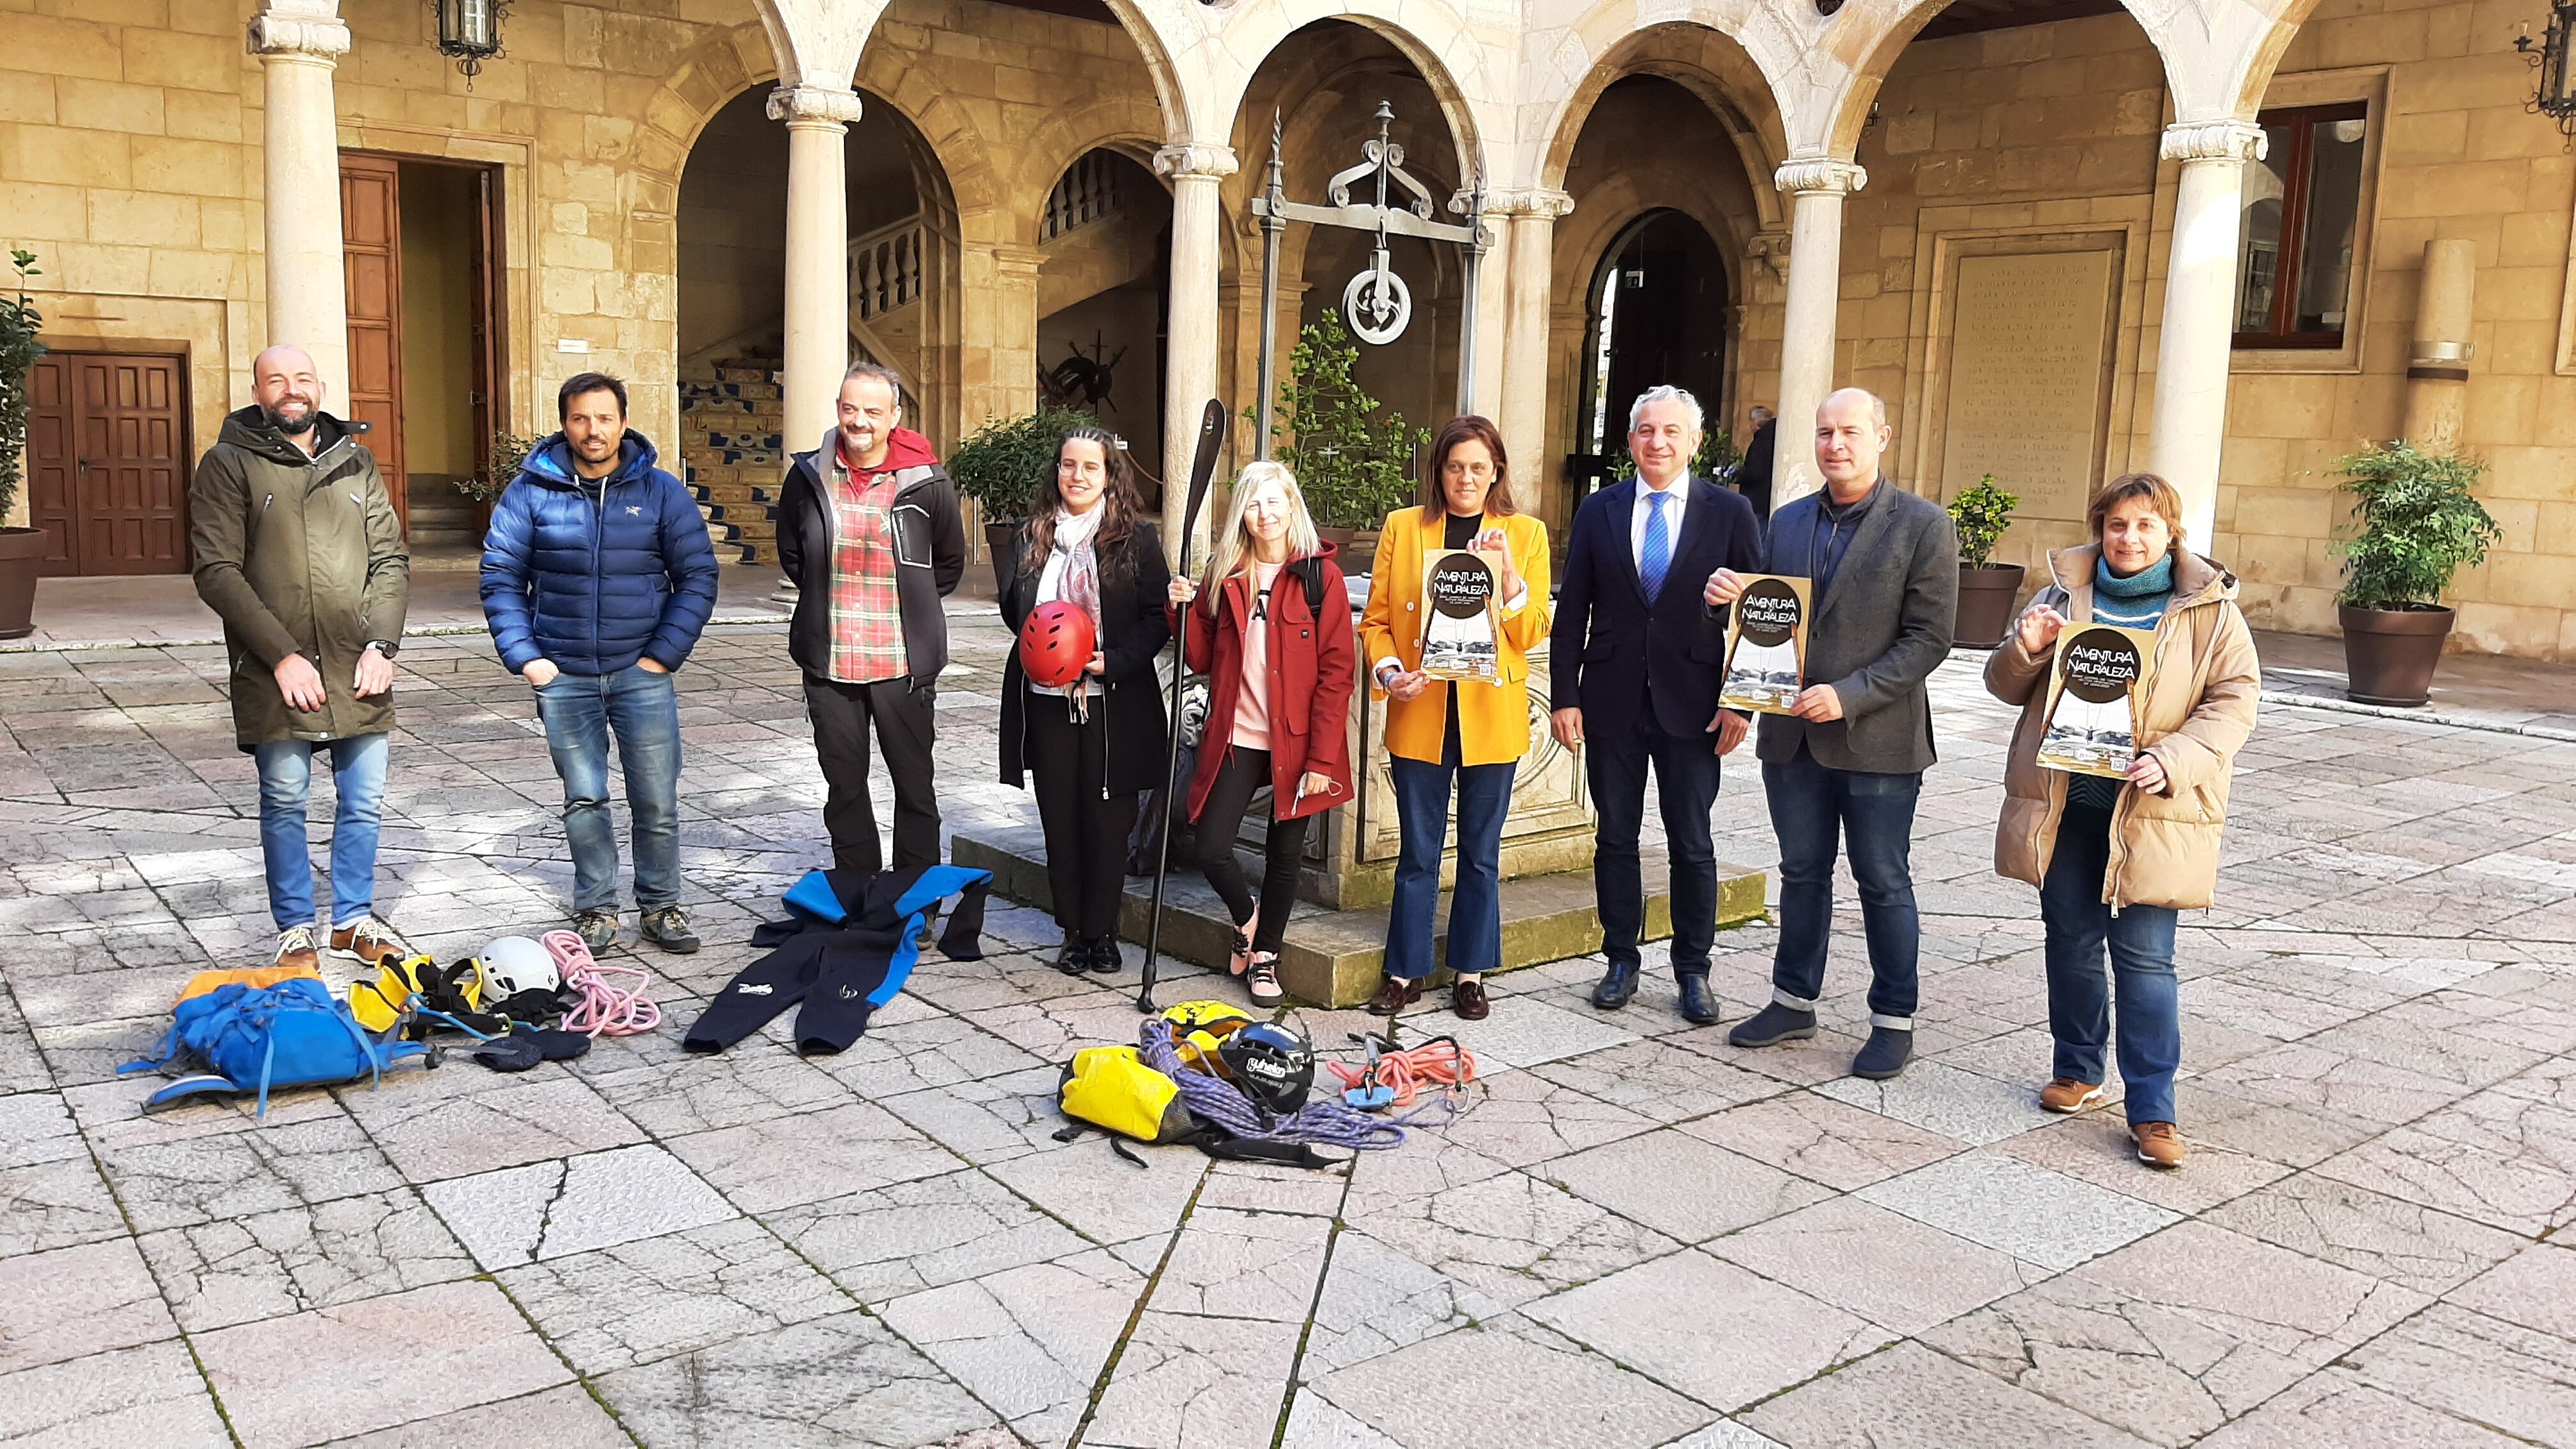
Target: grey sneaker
668,928
597,929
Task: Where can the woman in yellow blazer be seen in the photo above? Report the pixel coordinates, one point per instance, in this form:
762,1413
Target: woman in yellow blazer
1437,730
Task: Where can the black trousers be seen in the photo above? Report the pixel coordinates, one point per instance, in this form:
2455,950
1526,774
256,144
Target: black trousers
1229,796
1086,827
906,725
1686,776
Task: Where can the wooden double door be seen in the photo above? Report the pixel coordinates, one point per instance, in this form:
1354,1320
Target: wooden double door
107,462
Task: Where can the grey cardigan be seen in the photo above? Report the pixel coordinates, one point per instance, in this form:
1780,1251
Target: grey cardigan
1878,634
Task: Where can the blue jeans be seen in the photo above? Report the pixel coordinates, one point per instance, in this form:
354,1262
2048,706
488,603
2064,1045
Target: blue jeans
1814,810
285,785
2141,944
1422,828
643,709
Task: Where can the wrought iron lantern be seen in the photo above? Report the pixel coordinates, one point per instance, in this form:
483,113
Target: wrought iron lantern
2556,97
469,32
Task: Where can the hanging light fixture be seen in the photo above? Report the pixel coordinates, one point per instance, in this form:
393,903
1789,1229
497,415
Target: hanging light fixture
469,31
2556,96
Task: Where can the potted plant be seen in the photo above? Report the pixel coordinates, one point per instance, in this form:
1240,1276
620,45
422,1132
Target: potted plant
1987,590
2419,523
1000,467
22,550
1354,467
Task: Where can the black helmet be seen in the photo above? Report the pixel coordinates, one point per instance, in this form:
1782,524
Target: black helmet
1273,1064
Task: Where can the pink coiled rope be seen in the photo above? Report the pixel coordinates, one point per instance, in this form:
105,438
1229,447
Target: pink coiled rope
612,1001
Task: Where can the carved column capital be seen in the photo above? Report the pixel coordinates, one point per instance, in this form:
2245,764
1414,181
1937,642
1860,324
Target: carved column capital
834,106
2213,141
1819,173
1543,202
1771,249
1195,158
315,34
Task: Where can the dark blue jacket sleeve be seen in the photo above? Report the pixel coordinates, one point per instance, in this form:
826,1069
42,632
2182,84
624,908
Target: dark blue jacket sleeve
691,558
506,576
1573,612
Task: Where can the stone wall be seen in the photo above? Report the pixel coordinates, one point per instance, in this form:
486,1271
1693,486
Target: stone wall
2044,139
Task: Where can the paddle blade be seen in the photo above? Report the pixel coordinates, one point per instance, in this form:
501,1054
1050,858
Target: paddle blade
1212,427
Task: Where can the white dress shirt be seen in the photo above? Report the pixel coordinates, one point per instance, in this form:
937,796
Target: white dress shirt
1678,494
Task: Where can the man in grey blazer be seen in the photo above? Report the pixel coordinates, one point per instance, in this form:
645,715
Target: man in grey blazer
1850,761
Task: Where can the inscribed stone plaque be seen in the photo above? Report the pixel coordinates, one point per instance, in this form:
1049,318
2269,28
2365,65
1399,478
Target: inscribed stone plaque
2025,385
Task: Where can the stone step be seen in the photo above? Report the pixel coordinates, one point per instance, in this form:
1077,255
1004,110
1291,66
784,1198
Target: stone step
712,474
750,389
717,435
737,495
761,376
1336,958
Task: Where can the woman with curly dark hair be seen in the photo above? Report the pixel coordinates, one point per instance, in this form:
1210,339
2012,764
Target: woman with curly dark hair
1095,743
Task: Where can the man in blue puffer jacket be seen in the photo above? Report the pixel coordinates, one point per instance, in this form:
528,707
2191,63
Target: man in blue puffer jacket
597,579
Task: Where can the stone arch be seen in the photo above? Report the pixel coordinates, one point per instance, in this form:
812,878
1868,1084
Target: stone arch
1709,64
1128,125
1432,39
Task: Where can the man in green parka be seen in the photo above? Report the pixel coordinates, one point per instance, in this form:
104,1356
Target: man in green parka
298,550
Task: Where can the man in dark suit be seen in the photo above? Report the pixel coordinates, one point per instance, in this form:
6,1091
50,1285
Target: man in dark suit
1637,658
1753,479
1848,763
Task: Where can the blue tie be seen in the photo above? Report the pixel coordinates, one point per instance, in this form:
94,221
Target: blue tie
1657,556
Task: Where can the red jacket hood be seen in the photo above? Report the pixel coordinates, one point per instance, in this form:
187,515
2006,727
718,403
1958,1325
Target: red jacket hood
904,449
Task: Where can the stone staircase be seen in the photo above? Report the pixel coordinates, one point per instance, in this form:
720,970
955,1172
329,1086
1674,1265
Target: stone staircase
732,454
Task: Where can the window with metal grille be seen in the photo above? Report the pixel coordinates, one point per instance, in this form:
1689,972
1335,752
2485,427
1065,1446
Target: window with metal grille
2295,262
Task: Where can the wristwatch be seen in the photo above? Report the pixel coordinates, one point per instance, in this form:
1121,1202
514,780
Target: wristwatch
385,647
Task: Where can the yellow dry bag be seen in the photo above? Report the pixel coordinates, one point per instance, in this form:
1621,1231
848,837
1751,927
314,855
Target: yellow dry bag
1110,1088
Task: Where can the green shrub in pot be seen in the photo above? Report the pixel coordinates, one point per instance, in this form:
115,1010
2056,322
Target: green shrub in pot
1001,464
2417,523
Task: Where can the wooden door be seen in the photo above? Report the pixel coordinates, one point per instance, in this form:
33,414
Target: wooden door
491,363
371,259
108,462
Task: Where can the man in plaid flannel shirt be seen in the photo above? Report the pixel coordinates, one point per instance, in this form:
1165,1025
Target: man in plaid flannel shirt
870,533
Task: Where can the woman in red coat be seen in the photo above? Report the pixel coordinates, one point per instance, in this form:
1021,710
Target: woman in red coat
1274,598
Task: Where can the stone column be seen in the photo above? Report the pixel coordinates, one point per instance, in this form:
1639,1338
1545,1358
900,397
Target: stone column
2199,328
1196,337
817,307
2437,369
1815,186
1002,313
299,43
1530,221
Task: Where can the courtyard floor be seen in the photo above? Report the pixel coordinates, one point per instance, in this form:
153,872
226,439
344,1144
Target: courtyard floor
1636,1236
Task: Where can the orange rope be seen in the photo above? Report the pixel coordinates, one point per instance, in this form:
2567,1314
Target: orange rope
1434,1064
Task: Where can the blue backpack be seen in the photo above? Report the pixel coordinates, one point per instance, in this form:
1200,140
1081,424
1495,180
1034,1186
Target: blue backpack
293,1034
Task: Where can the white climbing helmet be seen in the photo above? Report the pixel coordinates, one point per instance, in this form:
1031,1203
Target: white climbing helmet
513,964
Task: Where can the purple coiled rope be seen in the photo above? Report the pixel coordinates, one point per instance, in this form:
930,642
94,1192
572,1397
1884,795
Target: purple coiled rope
1321,1121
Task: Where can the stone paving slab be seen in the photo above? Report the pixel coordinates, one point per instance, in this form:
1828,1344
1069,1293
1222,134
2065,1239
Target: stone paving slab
1634,1235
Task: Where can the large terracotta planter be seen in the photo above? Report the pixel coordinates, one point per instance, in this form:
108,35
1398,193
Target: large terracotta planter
2389,654
1987,593
998,539
1354,549
22,555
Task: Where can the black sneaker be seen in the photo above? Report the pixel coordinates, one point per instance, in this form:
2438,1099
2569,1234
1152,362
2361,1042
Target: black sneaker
1105,957
1884,1055
668,928
1773,1025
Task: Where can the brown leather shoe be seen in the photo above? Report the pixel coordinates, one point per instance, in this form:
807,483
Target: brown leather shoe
1467,998
1394,995
368,940
295,950
2159,1144
2065,1094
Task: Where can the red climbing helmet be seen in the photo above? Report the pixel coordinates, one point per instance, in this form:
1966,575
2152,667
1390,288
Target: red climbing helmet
1056,644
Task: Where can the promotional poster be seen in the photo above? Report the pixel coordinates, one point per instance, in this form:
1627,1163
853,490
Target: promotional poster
1458,607
1766,645
2094,689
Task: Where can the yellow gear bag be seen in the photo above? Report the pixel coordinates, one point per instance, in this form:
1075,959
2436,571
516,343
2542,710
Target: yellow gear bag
1200,1027
378,1004
1110,1087
257,978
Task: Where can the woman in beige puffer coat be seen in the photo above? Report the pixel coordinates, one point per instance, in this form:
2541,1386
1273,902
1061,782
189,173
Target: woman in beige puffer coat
2116,861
